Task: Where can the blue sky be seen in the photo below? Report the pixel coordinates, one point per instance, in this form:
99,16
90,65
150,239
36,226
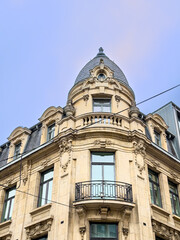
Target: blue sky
44,44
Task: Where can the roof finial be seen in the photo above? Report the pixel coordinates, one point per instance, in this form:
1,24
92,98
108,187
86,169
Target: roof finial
101,50
100,53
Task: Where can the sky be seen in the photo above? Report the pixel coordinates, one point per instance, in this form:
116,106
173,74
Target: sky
45,43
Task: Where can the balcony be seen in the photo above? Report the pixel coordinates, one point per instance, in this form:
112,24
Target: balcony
115,193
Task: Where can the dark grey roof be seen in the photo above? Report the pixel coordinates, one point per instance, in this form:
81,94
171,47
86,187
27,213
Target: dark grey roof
34,140
85,72
4,155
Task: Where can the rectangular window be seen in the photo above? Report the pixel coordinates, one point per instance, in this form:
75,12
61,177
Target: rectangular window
8,204
174,198
50,131
154,188
45,191
101,105
157,138
17,150
102,175
103,231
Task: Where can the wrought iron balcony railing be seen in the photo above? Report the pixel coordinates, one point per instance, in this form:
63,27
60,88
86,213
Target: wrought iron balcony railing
93,190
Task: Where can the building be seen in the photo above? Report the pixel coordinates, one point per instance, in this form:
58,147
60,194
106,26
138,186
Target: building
97,169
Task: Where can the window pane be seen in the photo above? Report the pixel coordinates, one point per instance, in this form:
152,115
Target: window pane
104,231
47,175
109,172
11,193
103,157
101,105
7,204
49,192
96,172
11,209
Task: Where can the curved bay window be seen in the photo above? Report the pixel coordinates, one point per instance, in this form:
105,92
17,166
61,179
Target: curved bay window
103,231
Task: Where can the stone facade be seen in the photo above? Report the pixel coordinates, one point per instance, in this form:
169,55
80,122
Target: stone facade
77,200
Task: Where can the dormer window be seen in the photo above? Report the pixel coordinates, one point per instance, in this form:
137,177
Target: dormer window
17,150
157,137
50,131
102,105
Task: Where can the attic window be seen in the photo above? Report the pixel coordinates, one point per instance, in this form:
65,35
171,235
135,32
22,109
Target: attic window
17,150
101,76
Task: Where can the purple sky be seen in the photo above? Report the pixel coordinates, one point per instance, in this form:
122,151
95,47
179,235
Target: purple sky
44,44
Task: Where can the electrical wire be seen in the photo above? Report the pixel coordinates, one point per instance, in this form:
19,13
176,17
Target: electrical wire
111,115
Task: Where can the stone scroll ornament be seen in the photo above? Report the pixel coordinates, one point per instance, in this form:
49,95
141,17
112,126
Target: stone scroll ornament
140,153
65,146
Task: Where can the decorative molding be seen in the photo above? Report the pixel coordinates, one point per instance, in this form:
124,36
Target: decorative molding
65,146
126,218
103,211
7,236
44,163
117,99
38,228
102,143
86,98
165,231
139,149
82,231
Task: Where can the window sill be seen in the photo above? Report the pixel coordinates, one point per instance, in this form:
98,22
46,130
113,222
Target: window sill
5,224
159,210
41,209
176,218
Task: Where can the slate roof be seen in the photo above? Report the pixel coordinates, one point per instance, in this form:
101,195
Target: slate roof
118,74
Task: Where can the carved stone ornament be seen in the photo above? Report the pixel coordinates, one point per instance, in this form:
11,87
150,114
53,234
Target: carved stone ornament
65,146
8,182
34,230
134,111
69,109
155,164
102,143
118,99
140,154
86,98
6,237
165,231
103,211
82,231
126,218
44,163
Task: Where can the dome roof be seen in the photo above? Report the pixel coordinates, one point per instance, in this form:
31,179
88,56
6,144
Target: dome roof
85,72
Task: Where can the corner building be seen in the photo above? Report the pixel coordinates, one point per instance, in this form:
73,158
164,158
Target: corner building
97,169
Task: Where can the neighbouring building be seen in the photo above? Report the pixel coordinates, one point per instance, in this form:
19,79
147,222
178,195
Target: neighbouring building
97,169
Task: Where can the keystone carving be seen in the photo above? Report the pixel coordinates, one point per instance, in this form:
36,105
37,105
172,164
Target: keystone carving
65,151
117,98
126,218
140,154
165,231
102,143
38,228
103,211
86,98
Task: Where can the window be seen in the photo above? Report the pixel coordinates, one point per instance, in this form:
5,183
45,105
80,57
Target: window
154,188
158,238
17,150
42,238
101,76
8,204
50,131
157,138
101,105
45,191
103,231
174,198
102,175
